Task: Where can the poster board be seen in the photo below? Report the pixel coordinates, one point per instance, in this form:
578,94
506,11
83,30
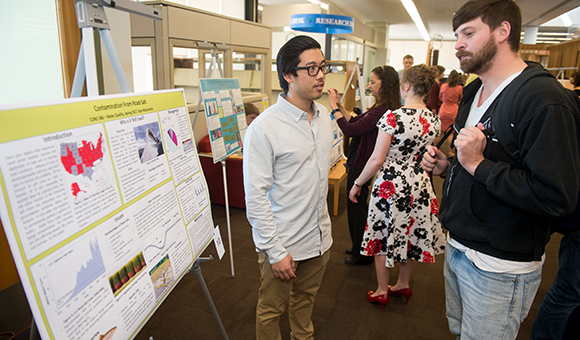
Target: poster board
105,208
338,142
225,115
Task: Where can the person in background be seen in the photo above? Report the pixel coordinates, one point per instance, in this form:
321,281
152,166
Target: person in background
402,224
559,314
408,61
252,112
450,94
287,155
575,81
384,87
433,101
472,77
499,209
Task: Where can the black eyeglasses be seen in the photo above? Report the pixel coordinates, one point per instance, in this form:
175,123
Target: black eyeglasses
313,70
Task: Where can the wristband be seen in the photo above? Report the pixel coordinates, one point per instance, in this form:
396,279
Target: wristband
355,183
333,111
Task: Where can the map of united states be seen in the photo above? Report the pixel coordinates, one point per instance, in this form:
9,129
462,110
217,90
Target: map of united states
79,159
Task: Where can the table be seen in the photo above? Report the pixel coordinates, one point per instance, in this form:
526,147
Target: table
336,175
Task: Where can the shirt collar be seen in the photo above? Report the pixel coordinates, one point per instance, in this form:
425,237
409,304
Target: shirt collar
295,113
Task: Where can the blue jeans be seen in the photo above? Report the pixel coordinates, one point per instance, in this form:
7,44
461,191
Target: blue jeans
485,305
564,295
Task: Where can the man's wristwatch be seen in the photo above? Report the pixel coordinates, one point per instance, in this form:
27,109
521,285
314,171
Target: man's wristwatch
333,111
356,183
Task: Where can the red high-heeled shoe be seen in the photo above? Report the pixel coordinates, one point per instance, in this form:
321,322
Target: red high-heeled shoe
406,292
382,299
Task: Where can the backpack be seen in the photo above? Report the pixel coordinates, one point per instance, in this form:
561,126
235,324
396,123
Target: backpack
507,139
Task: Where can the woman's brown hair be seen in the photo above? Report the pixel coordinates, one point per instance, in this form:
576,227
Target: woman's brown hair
421,77
389,95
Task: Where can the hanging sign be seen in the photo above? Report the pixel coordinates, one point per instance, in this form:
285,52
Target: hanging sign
322,23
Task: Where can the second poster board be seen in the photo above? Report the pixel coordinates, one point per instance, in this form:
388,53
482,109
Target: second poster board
225,115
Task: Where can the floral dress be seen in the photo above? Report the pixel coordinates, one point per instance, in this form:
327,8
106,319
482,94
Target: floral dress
402,220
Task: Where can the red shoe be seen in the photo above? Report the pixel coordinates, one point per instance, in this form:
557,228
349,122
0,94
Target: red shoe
406,292
382,299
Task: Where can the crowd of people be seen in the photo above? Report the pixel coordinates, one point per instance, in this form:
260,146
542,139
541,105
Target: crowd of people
497,208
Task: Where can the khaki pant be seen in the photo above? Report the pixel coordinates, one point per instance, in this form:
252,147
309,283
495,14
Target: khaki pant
299,293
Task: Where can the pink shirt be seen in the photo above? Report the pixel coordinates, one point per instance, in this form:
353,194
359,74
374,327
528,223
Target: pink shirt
450,97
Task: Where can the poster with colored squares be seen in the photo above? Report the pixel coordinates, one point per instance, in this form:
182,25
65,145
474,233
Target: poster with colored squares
225,116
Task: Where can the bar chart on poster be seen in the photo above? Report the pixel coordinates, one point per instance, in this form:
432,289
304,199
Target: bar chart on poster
105,208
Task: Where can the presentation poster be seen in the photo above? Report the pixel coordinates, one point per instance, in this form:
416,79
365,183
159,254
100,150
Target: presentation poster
225,115
105,208
337,144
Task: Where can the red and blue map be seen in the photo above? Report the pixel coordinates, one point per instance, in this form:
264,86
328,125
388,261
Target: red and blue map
79,159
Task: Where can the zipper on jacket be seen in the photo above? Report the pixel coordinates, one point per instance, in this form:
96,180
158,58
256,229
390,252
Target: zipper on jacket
451,173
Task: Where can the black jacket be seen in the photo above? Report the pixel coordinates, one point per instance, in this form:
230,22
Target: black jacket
506,208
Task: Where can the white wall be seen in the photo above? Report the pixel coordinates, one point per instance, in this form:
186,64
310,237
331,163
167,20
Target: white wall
397,49
30,66
280,38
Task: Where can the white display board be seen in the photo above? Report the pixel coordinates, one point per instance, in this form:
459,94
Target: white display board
105,208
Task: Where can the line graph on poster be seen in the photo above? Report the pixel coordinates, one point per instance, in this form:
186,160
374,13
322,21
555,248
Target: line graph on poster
72,269
156,244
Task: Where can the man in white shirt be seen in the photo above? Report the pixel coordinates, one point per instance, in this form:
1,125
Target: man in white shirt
498,205
408,61
287,154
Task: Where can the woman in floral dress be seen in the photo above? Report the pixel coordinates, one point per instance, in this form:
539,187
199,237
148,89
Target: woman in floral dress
402,224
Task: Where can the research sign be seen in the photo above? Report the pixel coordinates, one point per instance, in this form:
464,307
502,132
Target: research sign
105,208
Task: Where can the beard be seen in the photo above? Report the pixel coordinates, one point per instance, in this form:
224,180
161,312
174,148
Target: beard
480,61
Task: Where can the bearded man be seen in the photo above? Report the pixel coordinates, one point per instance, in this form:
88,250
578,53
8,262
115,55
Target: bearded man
497,205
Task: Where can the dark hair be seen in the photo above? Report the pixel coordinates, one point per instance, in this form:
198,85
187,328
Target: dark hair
389,94
440,69
492,13
408,56
421,77
251,109
576,76
454,79
289,57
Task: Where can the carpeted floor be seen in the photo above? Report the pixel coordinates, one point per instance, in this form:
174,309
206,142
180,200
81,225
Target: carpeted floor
340,311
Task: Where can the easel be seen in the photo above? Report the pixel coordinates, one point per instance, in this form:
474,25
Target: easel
359,77
215,57
91,17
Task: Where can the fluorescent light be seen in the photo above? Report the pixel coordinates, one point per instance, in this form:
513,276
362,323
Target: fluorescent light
316,2
414,14
260,8
324,6
552,34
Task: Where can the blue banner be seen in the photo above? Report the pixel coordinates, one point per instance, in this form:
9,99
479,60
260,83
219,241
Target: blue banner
322,23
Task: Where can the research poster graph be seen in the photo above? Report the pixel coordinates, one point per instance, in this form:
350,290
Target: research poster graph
225,115
105,208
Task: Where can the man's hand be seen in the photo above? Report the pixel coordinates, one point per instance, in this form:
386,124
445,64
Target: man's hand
434,160
470,144
284,270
